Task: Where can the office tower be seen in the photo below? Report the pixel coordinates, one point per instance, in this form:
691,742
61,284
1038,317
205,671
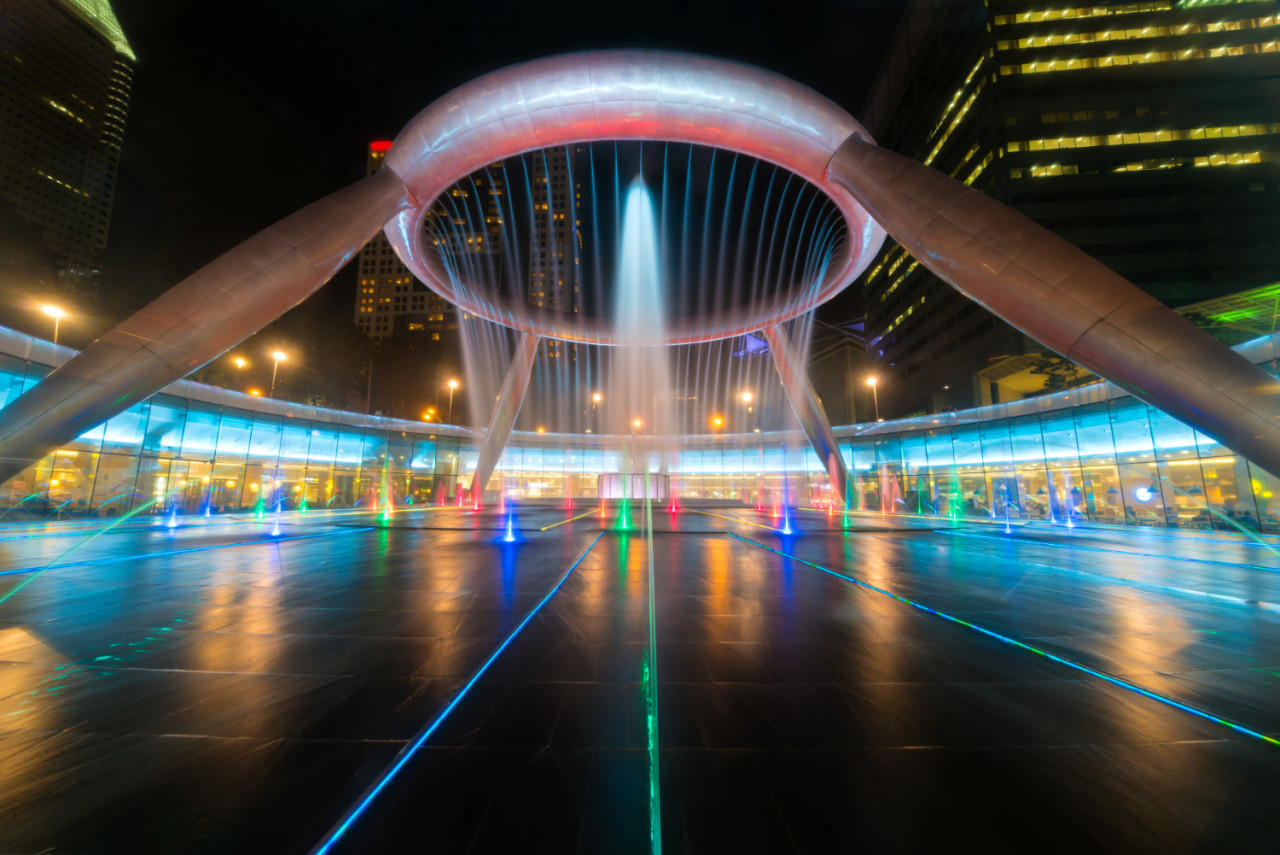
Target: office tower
65,75
390,299
1144,133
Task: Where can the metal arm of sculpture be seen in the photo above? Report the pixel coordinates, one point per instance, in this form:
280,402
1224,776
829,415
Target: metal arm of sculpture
198,319
809,410
510,398
1063,298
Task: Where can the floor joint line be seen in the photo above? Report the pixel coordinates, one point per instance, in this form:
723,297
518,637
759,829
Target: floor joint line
406,754
1085,669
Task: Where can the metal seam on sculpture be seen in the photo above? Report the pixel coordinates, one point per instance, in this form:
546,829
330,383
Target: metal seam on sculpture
1116,681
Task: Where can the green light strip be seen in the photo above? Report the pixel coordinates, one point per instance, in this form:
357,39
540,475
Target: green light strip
1115,681
651,689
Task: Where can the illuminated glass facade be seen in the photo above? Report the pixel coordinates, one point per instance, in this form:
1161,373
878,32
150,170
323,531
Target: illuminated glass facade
1144,133
1091,455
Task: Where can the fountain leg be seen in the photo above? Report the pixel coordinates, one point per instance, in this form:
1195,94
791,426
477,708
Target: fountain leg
504,415
808,409
1068,301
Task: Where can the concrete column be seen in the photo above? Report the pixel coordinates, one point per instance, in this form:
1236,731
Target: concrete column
510,398
808,409
1065,299
201,317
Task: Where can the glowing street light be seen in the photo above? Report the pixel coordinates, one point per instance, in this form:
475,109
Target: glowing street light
747,397
596,398
56,313
277,357
875,397
453,385
717,422
541,429
257,393
240,362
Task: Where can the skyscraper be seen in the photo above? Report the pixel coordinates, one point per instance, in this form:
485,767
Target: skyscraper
65,75
1145,133
555,243
390,299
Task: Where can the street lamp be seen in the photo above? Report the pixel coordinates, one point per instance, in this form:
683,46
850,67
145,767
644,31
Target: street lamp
596,398
717,422
747,398
875,397
240,362
453,384
277,357
55,313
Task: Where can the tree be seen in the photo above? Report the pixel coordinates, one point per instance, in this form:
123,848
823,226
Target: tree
1059,372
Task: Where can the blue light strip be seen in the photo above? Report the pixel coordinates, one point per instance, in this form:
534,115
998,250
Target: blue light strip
406,753
1049,543
1115,681
145,555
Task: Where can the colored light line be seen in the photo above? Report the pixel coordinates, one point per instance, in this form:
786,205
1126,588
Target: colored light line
1185,558
170,552
732,519
569,520
1085,669
651,689
407,753
48,530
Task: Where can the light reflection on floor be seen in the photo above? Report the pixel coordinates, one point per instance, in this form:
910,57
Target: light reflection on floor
187,700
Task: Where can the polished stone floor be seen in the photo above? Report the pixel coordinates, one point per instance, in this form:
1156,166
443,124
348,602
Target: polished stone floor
241,686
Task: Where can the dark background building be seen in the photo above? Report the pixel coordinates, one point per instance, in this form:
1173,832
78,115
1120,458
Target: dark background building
1144,133
66,71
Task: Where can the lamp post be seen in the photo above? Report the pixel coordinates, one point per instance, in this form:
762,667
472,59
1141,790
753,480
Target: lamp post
875,397
55,313
277,357
453,384
596,398
747,398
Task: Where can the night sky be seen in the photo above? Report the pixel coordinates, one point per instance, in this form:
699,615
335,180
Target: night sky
243,112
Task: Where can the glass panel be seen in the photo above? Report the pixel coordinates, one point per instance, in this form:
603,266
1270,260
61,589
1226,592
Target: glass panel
323,447
200,435
1059,432
295,440
1264,493
1131,430
1143,501
164,426
264,441
70,483
1173,439
12,372
113,487
1228,493
233,436
1027,442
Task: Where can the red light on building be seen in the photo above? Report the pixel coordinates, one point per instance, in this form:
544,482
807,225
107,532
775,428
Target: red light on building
380,145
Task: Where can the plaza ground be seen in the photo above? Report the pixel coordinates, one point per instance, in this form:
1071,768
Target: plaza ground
238,685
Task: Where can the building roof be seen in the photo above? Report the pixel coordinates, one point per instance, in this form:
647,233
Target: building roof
99,15
1255,312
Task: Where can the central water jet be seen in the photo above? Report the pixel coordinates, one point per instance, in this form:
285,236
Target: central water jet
640,374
